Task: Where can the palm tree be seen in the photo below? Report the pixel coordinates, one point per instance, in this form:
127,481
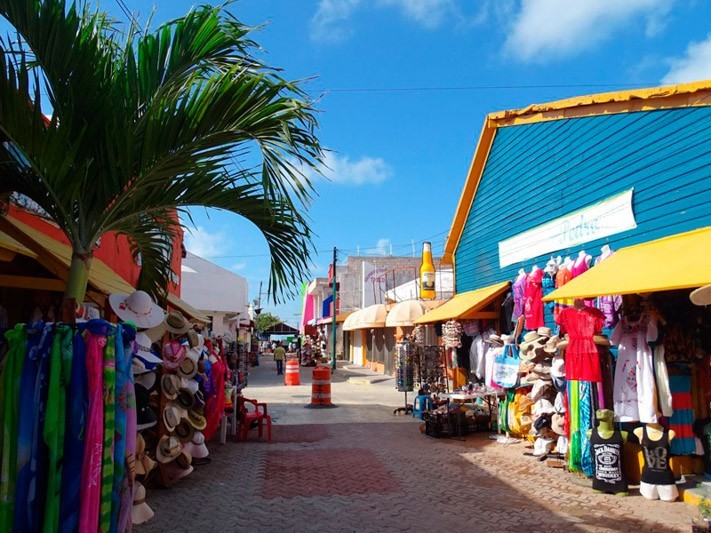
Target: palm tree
113,128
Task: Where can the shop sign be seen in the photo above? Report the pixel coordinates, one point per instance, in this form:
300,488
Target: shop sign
374,284
609,217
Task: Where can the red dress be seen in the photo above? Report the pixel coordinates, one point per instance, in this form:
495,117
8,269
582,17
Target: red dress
582,361
533,306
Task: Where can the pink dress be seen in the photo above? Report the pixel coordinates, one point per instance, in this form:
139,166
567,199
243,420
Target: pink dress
534,300
582,361
94,435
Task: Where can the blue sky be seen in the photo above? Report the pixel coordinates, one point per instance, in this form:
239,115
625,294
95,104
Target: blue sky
405,86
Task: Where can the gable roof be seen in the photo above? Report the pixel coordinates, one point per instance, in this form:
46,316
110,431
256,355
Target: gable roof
636,100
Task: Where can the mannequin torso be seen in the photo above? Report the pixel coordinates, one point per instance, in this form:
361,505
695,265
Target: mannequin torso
606,447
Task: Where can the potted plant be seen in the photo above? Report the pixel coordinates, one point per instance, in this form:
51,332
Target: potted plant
702,523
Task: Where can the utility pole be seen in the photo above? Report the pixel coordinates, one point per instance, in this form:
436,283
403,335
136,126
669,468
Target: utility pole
333,313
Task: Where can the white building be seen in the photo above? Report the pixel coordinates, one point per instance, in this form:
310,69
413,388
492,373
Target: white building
216,292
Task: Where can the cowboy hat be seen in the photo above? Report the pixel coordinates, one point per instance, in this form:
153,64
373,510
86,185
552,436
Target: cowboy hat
170,384
138,308
558,423
140,512
528,340
544,332
564,343
143,350
168,449
197,447
188,367
494,339
173,354
184,431
172,415
701,296
552,344
197,420
144,463
176,323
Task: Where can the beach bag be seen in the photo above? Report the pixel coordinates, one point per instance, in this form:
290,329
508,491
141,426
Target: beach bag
506,371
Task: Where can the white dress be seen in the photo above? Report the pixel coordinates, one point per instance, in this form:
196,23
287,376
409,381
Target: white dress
634,387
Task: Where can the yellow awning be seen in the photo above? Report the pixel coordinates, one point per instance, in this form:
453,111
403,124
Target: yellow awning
463,305
57,257
681,261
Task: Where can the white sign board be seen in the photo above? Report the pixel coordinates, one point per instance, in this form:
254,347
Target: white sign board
612,215
374,284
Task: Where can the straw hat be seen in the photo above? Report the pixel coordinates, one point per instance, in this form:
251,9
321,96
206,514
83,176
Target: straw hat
148,379
495,340
176,323
140,512
701,296
144,463
168,449
564,343
528,341
184,431
156,333
188,367
197,420
137,308
552,344
173,414
170,384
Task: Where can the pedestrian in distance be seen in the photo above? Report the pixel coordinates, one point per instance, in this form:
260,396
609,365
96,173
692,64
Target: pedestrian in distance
279,354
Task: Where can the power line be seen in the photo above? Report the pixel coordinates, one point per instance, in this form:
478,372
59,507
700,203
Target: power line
479,87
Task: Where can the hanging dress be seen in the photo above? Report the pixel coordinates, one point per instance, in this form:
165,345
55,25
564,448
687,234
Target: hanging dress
634,389
582,361
519,296
533,307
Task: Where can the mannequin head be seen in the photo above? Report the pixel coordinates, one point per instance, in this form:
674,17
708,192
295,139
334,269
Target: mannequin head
605,417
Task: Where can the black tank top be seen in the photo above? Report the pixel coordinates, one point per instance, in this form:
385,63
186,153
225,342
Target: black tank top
607,459
656,470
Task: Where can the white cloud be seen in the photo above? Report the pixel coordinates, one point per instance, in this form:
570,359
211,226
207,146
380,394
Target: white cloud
203,243
381,248
546,29
428,13
342,170
236,267
693,66
329,23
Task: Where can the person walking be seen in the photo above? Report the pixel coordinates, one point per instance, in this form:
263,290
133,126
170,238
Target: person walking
279,354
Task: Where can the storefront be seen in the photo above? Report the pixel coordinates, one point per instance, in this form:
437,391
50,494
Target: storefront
605,198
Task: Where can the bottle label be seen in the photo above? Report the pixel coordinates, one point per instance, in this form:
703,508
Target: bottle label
428,281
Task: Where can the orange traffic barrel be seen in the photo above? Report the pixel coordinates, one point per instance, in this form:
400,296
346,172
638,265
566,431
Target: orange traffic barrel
291,376
321,388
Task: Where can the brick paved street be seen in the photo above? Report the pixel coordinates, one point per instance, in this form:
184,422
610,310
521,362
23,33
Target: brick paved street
377,472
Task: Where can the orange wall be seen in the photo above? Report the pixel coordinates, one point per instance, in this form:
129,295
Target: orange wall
114,249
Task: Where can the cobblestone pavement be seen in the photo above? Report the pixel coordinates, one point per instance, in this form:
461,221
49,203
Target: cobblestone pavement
377,472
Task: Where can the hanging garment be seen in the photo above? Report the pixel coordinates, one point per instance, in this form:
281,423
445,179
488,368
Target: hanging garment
533,307
9,411
33,454
663,391
55,422
682,421
607,459
215,403
519,296
656,469
563,276
585,423
491,354
107,460
94,433
573,422
634,390
477,361
582,361
77,406
123,369
548,285
127,485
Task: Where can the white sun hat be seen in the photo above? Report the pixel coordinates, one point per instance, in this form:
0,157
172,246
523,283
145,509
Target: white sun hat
137,308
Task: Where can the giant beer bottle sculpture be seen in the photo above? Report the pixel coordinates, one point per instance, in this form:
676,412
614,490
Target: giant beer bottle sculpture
427,273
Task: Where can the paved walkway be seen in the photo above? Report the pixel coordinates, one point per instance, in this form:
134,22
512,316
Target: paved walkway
358,468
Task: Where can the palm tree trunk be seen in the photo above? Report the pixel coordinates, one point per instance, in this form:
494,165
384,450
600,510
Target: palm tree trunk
76,285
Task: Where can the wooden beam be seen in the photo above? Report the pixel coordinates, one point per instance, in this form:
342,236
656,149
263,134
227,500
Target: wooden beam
27,282
44,257
480,315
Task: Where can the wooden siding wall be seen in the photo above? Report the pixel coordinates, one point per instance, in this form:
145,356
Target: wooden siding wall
539,172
